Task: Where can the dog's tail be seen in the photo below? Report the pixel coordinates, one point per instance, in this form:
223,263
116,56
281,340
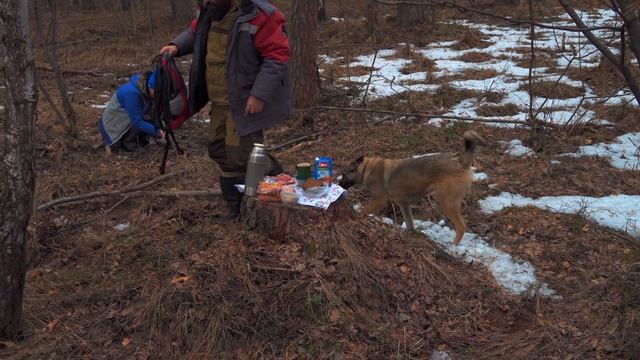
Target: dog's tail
471,141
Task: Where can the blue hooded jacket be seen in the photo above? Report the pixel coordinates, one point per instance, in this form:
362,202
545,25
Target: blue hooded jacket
126,109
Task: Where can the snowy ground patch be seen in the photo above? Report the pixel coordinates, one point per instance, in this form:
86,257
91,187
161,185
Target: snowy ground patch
504,55
440,355
515,148
388,77
479,176
619,212
515,277
623,154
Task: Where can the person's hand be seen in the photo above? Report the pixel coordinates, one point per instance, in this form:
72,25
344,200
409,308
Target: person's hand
171,49
254,106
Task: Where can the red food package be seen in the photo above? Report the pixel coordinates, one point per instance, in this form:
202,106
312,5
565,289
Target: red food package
266,188
285,179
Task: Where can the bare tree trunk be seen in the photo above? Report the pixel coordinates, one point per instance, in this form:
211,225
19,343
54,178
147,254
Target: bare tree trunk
409,14
322,11
17,177
616,60
149,18
47,97
372,19
134,26
303,43
72,118
630,10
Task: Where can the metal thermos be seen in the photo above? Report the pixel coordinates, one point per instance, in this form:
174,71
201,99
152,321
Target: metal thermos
256,169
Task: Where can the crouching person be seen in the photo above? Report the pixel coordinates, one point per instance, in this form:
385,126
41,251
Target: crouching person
123,124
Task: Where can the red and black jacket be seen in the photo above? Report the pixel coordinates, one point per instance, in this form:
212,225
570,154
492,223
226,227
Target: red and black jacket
257,58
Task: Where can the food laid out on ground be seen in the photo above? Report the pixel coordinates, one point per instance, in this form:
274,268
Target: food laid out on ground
312,186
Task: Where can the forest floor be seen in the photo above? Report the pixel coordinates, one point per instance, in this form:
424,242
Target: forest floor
549,268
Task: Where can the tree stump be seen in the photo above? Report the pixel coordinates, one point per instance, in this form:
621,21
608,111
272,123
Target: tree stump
281,221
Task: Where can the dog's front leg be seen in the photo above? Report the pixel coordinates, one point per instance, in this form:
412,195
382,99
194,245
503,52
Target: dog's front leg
376,204
407,215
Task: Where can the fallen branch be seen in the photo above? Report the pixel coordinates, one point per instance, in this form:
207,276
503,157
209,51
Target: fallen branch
99,194
422,115
148,194
294,141
76,72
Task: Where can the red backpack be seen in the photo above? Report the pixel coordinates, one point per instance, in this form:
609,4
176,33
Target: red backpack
170,105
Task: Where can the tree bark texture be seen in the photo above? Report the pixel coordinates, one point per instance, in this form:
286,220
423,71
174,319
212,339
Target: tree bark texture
631,13
284,222
322,11
303,43
372,19
408,15
17,175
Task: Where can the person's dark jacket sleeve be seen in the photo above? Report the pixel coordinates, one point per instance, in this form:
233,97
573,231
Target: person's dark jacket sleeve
273,44
184,42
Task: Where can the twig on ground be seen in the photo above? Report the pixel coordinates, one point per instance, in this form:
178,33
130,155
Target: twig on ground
269,268
117,204
77,72
98,194
422,115
294,141
149,194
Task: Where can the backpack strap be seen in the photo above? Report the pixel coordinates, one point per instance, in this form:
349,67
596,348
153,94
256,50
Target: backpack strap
162,107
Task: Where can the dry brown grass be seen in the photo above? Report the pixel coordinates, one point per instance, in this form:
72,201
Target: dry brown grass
498,110
447,96
475,57
541,60
553,90
471,39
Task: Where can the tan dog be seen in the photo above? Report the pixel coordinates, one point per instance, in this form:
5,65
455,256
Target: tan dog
404,181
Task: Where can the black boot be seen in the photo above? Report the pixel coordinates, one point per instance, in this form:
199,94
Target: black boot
232,196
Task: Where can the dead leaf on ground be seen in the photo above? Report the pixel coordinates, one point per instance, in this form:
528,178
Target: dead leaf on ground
52,324
334,315
126,342
179,279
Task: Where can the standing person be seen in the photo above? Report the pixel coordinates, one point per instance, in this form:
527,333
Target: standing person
241,65
123,124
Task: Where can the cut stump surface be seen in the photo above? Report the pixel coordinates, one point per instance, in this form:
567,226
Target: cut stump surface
279,221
